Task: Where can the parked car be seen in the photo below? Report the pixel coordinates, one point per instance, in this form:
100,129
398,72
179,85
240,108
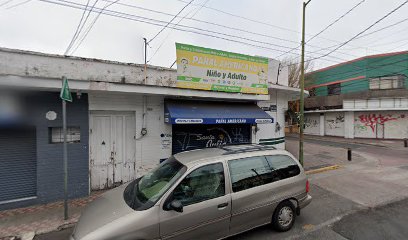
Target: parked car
202,194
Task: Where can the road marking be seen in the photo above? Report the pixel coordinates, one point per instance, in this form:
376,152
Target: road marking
323,169
308,227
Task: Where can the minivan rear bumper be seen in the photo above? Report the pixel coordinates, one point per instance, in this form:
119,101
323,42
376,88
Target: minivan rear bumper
304,201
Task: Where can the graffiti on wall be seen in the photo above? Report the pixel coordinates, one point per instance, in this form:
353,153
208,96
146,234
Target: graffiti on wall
335,123
311,123
371,120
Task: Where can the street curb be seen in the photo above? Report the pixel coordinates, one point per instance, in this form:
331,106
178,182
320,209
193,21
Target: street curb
341,141
323,169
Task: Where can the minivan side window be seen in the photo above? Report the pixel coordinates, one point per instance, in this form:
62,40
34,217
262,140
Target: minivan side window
202,184
283,166
250,172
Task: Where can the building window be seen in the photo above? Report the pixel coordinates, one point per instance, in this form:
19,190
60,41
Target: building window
334,89
387,82
56,135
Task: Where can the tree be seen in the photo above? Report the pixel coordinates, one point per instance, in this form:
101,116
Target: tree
294,70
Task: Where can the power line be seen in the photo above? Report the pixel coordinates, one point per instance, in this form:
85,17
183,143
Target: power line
157,34
256,21
327,27
217,24
155,22
92,24
147,21
78,27
164,40
335,21
18,4
360,33
370,33
6,2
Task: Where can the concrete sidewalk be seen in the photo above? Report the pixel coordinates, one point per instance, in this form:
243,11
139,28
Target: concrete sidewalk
25,223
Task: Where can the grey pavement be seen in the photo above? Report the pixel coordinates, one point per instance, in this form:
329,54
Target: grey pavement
386,222
326,208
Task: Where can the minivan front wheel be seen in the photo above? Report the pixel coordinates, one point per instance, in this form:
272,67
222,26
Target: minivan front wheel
284,216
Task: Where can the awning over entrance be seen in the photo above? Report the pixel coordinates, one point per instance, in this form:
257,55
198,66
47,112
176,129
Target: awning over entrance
192,112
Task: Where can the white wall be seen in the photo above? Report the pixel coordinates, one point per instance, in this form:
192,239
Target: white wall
349,125
312,124
367,124
156,144
270,132
334,124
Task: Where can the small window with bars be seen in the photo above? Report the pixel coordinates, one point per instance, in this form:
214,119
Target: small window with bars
56,135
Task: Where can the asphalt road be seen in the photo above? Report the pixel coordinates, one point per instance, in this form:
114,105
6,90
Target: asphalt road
386,222
325,207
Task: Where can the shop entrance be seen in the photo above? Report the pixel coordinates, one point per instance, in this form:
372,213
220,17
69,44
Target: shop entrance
195,136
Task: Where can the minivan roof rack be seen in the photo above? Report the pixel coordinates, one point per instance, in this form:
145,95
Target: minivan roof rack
243,148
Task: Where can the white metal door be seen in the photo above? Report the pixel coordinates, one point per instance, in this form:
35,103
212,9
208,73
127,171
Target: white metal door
112,151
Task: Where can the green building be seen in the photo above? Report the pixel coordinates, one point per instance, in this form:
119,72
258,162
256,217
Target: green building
366,97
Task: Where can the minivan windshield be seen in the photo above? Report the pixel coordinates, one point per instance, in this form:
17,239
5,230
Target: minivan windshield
144,192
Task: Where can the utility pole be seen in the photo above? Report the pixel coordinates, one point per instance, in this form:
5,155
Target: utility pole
302,87
145,59
65,96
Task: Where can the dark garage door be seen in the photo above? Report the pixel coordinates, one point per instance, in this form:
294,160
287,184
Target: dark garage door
18,165
189,137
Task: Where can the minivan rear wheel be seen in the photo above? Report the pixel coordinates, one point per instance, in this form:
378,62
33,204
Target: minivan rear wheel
284,216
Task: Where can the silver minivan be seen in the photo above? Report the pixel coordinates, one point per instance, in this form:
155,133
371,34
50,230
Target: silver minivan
202,194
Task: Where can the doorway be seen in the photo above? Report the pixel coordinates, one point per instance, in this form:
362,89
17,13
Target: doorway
112,149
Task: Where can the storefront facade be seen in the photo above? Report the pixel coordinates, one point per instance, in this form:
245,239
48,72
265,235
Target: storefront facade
128,122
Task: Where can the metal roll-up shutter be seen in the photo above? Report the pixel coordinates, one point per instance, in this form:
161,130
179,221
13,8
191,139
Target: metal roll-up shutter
187,137
18,163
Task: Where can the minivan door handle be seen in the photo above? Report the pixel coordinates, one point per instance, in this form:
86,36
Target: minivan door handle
222,205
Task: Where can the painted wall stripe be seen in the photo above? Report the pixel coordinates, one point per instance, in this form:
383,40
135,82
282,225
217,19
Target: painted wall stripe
271,139
272,143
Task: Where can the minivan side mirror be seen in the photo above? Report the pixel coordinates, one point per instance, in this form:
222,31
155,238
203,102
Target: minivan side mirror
176,205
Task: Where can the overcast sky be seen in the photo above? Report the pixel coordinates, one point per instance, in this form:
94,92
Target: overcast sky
47,27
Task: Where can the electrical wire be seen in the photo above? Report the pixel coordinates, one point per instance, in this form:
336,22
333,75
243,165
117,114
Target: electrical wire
161,30
368,34
324,29
168,35
360,33
77,28
92,24
18,4
6,2
160,23
144,20
256,21
217,24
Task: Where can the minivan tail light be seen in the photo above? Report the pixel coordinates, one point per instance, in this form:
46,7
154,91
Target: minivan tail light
307,186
